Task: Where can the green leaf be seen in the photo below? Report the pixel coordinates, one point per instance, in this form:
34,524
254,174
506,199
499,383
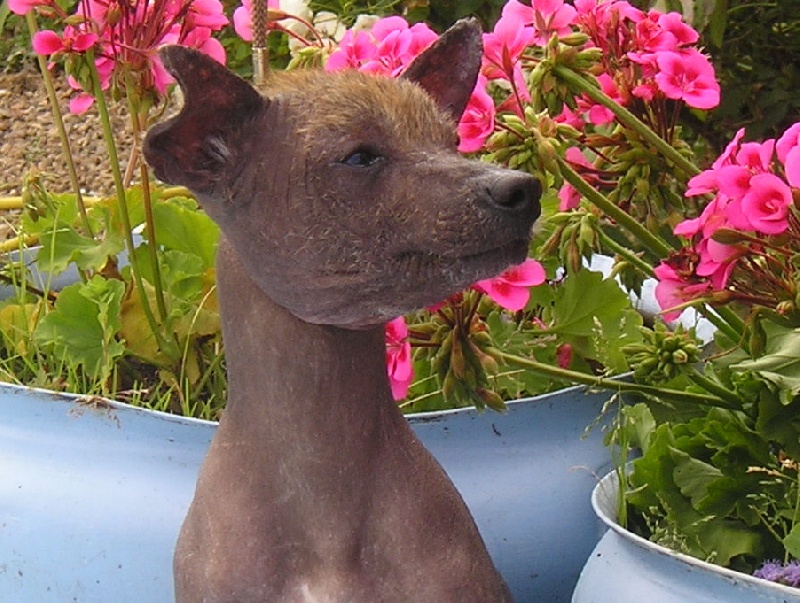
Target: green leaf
693,476
718,22
84,323
720,540
640,425
66,245
182,227
596,317
779,365
792,542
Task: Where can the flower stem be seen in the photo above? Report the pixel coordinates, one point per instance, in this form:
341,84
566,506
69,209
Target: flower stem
58,118
122,205
715,388
626,254
726,320
628,119
653,242
617,385
138,118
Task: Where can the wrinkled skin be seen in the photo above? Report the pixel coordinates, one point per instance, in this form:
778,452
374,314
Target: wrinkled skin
343,203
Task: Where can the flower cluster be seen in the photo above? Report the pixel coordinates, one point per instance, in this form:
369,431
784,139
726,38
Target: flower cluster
510,291
646,58
782,573
123,38
740,246
387,49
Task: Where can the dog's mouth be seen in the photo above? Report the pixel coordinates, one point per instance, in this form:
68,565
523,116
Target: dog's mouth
468,267
511,253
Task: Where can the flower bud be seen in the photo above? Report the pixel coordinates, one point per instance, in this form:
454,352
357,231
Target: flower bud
547,156
576,38
590,55
567,131
728,236
587,236
490,398
680,357
458,363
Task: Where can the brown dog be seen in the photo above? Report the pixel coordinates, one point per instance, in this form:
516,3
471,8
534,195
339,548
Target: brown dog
343,203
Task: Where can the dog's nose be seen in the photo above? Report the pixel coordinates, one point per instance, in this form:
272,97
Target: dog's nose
517,192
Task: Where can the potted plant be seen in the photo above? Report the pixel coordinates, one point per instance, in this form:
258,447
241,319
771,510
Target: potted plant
718,481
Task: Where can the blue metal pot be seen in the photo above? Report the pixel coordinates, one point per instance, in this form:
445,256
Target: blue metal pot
625,568
92,494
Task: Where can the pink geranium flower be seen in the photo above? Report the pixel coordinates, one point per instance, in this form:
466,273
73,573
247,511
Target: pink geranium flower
47,42
22,7
688,76
510,290
787,149
598,114
766,204
242,19
503,47
569,198
664,31
477,122
683,33
546,17
716,262
673,290
398,45
355,49
398,357
389,47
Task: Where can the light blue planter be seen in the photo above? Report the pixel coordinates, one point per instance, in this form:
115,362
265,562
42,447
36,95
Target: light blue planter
92,497
625,568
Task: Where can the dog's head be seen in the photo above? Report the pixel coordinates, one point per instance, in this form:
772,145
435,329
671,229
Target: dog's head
342,193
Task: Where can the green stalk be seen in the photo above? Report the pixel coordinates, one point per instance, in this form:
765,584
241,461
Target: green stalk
795,518
58,118
576,81
626,254
617,385
136,123
726,321
654,243
122,205
715,388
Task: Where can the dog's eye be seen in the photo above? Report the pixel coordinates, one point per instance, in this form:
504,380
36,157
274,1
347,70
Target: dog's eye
362,157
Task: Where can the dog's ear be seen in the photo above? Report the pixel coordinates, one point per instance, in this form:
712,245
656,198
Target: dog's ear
448,69
205,139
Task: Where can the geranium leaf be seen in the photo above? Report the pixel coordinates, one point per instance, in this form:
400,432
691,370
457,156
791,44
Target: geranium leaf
596,317
583,297
66,245
693,476
779,365
182,227
84,323
792,542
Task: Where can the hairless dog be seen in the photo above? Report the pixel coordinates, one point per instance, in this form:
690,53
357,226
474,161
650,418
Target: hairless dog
343,203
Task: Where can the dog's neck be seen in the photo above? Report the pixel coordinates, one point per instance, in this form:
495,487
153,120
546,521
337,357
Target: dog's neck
315,486
328,384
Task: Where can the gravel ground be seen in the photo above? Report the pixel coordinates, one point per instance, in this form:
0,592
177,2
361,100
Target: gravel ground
29,139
